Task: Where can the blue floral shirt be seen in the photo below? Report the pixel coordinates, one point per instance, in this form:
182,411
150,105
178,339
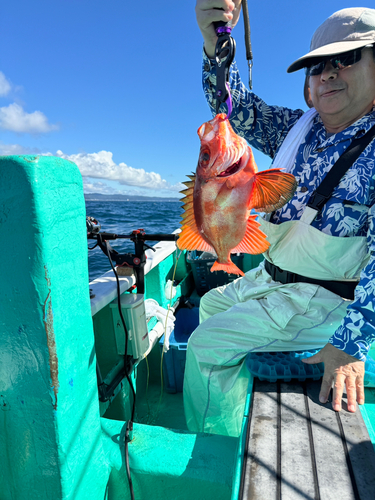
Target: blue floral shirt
350,211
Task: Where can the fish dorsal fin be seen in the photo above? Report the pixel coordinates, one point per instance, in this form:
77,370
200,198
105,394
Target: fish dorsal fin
190,238
272,189
254,241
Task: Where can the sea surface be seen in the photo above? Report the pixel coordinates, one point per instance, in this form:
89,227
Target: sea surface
122,217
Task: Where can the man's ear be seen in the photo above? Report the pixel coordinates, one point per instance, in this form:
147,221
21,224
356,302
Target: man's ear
306,93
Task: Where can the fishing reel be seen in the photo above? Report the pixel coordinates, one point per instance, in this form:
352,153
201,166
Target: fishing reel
136,260
92,226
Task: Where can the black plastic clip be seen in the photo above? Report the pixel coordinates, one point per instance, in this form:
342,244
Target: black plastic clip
224,54
317,201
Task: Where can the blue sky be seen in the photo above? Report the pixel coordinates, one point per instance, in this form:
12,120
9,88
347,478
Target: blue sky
116,86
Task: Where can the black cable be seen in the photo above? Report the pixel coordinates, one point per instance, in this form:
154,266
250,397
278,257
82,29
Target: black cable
125,329
129,426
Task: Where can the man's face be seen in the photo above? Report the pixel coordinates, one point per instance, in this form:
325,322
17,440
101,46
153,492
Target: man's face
343,96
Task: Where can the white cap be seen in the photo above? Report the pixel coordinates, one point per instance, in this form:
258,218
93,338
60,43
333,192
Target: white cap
345,30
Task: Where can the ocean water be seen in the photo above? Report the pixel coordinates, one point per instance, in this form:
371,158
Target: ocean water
122,217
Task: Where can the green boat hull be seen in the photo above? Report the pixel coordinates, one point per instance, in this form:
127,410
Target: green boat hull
57,440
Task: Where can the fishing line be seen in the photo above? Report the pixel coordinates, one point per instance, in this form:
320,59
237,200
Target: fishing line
151,417
148,378
165,333
125,329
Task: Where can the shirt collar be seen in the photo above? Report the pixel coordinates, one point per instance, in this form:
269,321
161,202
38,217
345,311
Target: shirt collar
357,129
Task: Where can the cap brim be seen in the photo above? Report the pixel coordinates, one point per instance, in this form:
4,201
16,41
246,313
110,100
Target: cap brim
328,50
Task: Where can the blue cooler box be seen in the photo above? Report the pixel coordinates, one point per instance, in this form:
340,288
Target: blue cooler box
175,358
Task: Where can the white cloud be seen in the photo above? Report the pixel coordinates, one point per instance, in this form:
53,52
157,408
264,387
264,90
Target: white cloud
17,149
101,166
15,119
5,86
99,187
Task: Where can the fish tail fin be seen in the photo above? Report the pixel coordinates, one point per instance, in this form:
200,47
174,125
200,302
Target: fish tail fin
228,267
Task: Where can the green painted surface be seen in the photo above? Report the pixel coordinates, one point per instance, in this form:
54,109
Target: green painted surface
242,443
53,443
170,465
50,444
105,340
51,440
158,276
251,261
368,413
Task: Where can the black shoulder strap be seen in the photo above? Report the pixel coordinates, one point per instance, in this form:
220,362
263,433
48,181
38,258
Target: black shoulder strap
324,191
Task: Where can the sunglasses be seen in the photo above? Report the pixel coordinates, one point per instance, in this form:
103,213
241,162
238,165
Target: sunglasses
339,61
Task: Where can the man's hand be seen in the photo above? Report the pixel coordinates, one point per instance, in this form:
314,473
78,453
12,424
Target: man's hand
209,11
340,369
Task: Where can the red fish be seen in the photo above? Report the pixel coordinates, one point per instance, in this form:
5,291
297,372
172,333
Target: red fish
220,196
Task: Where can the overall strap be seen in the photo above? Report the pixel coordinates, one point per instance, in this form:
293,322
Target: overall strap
324,191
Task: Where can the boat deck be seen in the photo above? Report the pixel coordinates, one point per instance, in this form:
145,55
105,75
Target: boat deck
297,448
164,410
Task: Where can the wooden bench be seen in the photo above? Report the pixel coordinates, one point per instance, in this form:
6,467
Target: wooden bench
298,448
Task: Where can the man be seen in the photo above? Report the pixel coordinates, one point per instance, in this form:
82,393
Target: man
329,251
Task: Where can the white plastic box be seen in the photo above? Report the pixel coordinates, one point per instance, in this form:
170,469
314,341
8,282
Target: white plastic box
133,311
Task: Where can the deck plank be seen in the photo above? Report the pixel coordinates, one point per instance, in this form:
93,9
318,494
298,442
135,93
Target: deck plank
333,477
298,448
297,478
261,458
361,452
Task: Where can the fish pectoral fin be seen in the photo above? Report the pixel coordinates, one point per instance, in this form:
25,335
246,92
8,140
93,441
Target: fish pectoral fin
254,241
272,189
228,267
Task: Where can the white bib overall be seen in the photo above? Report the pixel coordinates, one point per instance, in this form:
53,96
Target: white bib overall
298,247
255,313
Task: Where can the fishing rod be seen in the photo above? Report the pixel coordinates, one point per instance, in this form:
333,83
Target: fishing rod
249,52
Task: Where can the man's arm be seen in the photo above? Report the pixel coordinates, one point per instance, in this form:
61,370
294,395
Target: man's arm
344,357
264,127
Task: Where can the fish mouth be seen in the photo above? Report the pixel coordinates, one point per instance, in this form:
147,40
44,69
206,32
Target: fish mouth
233,169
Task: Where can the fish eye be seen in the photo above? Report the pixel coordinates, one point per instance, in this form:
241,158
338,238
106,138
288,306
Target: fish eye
204,157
